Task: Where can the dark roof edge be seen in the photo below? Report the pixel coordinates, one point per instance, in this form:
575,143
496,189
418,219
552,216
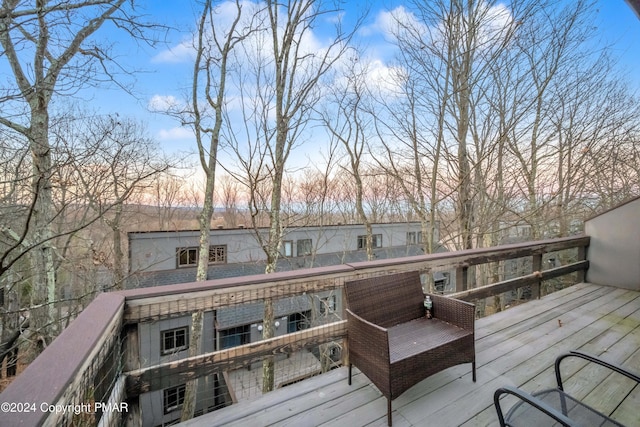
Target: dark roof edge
295,227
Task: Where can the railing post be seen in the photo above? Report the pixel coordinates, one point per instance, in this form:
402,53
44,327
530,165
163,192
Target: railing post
582,255
345,341
461,278
131,363
536,267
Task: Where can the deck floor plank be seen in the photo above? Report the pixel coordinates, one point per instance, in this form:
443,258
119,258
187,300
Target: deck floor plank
515,347
538,373
512,318
607,393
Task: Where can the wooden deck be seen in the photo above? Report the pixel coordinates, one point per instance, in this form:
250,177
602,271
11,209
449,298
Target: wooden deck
515,347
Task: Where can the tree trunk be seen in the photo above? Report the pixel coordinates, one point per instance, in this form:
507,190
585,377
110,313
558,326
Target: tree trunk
42,259
7,347
268,380
118,255
360,208
189,404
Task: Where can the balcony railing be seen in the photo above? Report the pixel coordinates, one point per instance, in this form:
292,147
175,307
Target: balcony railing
107,367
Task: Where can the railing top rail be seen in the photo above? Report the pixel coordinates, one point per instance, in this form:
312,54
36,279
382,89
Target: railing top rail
232,282
480,255
45,380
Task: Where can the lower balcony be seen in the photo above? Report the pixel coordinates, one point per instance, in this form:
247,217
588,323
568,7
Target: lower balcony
514,347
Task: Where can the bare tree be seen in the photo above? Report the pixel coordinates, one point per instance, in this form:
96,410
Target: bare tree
323,188
347,122
549,43
97,165
412,150
444,48
229,195
297,74
15,204
214,45
112,160
214,50
280,86
50,50
169,197
595,108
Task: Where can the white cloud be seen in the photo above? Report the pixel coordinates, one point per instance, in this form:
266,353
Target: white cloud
499,20
400,22
175,133
163,103
183,52
390,23
224,15
383,78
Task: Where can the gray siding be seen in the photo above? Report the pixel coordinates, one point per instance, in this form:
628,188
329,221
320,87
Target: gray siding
152,403
150,339
156,251
184,275
614,250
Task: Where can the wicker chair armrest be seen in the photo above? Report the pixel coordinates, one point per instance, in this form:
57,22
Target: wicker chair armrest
454,311
591,358
368,340
531,400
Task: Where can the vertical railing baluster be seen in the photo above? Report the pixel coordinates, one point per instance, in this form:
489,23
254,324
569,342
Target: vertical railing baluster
536,267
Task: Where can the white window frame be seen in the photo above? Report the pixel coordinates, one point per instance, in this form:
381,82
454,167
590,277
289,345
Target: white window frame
305,242
176,348
179,399
188,251
376,241
217,259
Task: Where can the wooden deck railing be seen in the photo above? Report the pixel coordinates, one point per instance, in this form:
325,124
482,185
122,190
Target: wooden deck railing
100,350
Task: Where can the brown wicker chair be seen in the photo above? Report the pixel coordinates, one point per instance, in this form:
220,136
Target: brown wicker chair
394,344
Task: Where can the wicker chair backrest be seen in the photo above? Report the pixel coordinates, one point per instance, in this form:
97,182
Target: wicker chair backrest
386,300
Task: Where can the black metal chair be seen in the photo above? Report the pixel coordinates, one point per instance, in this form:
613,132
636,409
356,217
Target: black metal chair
541,408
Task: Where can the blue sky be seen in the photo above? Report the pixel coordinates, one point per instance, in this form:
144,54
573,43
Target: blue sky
619,25
616,24
168,75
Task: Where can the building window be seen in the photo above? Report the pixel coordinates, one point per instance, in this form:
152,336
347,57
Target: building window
327,305
414,238
376,241
298,321
174,340
305,247
217,254
440,281
524,231
173,398
234,337
287,248
187,257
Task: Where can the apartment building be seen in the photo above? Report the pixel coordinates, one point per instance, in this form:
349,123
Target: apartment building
167,257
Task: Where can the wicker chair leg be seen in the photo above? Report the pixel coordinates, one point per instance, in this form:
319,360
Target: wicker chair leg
473,367
350,366
389,412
